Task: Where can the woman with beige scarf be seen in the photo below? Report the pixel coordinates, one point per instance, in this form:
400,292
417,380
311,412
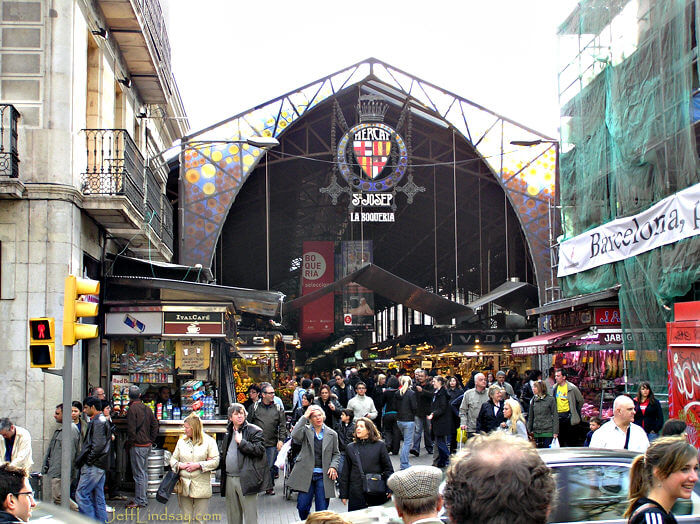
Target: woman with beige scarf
195,457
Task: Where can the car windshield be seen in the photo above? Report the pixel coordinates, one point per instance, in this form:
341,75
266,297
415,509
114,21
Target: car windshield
598,491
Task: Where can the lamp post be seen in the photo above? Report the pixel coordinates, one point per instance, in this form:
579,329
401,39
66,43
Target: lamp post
261,142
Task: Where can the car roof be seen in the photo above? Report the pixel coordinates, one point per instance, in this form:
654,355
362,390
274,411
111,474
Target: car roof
562,455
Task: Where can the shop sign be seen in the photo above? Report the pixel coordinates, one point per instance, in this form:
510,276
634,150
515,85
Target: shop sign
684,389
121,379
607,316
672,219
426,364
357,307
528,350
317,272
133,323
191,354
194,323
568,319
372,158
470,339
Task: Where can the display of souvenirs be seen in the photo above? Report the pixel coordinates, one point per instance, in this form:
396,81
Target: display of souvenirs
149,362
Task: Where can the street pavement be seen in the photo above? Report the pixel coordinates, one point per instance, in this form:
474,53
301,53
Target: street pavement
271,509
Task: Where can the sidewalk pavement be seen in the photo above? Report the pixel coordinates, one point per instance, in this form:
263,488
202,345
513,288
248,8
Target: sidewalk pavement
272,509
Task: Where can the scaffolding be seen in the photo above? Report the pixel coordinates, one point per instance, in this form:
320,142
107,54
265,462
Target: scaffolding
626,88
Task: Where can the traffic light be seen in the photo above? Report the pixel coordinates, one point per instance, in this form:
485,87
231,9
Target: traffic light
42,346
74,308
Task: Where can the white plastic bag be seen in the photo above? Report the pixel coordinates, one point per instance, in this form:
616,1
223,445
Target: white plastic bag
282,455
555,443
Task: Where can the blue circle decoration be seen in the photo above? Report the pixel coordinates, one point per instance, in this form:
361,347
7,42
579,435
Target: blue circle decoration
365,184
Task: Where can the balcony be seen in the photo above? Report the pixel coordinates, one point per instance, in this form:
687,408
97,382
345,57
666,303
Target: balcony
138,27
10,185
123,196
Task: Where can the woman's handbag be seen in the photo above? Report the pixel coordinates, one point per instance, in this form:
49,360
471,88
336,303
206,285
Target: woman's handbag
166,486
372,483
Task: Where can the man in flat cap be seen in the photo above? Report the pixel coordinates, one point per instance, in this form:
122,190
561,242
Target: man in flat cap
416,494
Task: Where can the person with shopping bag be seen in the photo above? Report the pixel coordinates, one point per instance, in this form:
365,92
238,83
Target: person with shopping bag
195,457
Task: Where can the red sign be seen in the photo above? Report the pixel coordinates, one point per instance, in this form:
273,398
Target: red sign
193,324
607,316
684,375
317,271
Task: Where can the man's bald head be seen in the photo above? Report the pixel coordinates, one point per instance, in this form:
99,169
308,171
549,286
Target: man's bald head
499,479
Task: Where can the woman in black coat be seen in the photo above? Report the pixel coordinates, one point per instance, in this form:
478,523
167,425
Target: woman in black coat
454,391
390,429
331,407
368,453
441,419
491,414
647,411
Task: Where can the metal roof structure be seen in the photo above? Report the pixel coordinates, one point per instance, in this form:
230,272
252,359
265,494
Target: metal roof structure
462,153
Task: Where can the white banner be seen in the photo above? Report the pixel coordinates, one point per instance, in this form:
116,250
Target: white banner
672,219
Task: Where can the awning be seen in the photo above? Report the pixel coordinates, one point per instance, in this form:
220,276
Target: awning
265,303
512,295
392,287
592,339
538,345
578,300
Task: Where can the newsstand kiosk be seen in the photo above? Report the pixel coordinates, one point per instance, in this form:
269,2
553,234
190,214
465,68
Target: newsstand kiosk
683,336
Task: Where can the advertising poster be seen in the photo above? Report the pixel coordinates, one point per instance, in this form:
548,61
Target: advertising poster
684,376
317,271
357,305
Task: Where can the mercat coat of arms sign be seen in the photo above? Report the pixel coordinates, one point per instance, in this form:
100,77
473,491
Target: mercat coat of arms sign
372,157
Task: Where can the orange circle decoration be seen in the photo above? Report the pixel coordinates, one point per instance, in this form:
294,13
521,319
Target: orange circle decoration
199,223
210,227
192,176
216,156
211,202
530,204
209,188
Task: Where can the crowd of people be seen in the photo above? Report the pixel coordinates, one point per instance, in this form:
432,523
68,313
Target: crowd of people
338,441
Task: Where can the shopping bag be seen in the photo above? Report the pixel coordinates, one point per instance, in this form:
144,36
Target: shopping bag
461,435
282,455
555,443
166,486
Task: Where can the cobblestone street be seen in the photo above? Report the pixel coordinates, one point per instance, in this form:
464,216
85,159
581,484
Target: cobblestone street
271,509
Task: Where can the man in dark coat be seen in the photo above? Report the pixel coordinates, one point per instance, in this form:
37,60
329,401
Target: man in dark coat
441,420
423,389
243,467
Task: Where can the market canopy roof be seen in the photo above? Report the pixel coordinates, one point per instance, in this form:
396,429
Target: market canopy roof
265,303
577,300
392,287
512,295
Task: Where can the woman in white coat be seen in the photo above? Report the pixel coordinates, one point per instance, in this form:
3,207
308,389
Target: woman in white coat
195,457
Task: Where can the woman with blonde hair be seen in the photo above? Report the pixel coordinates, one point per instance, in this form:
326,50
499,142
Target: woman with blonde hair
406,407
195,457
666,472
515,422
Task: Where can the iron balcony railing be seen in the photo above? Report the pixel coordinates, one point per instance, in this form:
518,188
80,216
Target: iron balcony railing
115,167
9,158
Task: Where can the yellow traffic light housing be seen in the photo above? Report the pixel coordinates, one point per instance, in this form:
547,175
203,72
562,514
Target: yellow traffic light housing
75,308
42,343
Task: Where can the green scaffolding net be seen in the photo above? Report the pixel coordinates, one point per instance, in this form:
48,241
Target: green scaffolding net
628,141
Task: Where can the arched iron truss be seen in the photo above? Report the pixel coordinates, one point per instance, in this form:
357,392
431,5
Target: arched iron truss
213,173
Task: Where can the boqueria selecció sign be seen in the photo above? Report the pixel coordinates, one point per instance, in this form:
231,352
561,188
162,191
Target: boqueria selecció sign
672,219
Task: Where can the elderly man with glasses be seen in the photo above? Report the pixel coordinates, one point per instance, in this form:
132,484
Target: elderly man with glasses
270,417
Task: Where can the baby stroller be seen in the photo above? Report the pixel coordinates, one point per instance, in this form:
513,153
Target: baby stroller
288,465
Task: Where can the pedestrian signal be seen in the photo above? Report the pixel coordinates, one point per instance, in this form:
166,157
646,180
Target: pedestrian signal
42,344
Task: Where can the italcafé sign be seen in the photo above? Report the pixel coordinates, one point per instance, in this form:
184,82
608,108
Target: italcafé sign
672,219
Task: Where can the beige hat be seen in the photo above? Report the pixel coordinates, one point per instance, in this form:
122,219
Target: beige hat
416,482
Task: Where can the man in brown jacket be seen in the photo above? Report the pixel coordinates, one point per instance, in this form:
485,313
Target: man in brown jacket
141,430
